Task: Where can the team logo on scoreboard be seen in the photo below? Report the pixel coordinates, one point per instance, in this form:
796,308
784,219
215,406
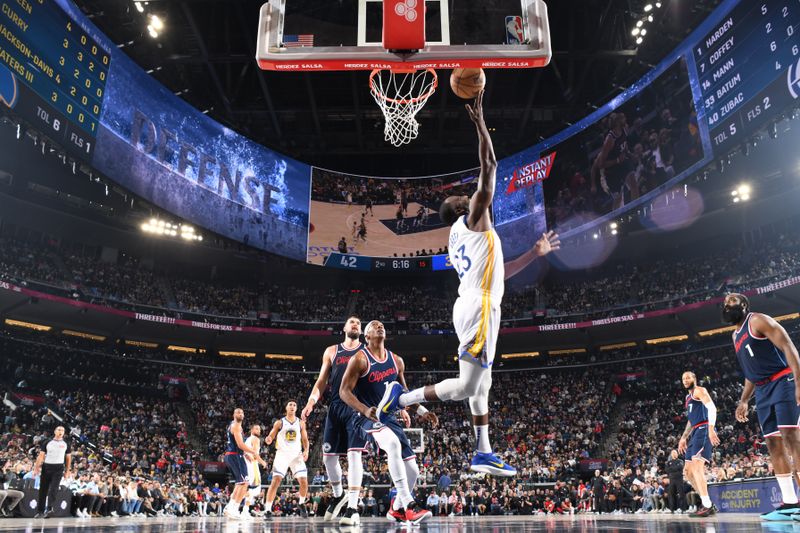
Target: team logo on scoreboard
793,79
8,87
530,174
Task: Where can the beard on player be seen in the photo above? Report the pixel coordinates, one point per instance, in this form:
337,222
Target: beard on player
735,308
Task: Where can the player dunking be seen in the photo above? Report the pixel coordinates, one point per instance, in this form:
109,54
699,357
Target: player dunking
253,460
698,438
289,433
234,448
337,440
476,254
363,384
770,365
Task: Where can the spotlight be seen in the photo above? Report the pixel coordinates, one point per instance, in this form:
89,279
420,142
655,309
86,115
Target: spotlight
658,4
613,225
19,131
156,22
152,31
139,7
640,24
644,32
635,32
639,40
596,236
648,8
720,165
650,18
613,232
743,189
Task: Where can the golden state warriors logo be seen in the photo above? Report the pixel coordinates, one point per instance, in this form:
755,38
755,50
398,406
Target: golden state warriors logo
291,435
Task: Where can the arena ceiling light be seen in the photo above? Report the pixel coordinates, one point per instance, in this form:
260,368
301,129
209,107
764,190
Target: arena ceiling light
163,228
741,193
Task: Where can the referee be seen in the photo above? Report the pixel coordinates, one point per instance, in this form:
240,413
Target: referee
56,456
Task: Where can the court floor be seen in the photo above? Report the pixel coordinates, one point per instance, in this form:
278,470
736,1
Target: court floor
724,523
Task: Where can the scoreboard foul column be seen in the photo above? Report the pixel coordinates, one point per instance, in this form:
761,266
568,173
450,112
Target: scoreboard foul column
748,68
52,74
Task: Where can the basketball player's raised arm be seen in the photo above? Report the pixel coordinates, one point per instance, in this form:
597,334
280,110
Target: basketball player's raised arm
304,440
276,427
237,435
357,366
482,199
766,326
547,243
321,383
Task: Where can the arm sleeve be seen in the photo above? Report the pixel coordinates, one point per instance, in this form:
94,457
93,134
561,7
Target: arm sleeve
712,413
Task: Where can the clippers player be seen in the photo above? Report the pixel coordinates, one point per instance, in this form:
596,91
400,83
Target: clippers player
288,433
363,384
770,365
234,448
476,254
613,160
337,440
253,460
697,439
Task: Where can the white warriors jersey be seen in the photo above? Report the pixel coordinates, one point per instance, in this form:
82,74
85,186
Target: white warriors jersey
255,443
288,440
478,258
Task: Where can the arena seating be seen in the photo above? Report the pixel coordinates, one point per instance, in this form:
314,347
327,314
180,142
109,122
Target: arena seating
135,427
657,283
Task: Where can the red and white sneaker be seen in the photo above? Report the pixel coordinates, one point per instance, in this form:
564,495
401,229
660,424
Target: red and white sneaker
415,515
395,516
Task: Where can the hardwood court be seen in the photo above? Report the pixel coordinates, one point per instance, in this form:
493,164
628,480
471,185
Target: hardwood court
722,523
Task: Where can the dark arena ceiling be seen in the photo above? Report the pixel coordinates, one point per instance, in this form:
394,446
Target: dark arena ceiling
205,54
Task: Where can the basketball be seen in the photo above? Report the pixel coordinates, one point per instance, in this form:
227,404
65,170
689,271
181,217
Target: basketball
467,82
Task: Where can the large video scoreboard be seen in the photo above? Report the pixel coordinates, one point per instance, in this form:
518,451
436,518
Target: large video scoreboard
748,68
55,74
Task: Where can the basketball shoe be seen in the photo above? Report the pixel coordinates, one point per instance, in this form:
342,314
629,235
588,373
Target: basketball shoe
390,401
489,463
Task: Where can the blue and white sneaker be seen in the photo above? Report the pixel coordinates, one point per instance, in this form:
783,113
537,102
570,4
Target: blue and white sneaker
390,402
489,463
782,514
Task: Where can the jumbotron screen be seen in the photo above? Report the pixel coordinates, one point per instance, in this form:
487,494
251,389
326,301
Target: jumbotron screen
732,75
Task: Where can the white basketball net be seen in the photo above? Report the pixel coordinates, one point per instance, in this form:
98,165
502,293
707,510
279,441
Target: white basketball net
401,95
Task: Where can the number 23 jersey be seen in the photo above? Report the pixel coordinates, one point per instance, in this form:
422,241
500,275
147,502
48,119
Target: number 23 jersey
477,257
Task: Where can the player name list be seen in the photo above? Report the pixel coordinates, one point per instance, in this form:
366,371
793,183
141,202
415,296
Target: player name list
51,55
742,65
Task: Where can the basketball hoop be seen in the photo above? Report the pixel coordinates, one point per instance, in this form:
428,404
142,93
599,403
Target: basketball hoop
401,95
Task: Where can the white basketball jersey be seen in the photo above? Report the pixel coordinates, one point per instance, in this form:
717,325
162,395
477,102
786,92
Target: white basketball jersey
288,440
478,258
255,443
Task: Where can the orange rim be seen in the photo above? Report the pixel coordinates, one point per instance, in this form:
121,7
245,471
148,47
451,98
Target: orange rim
404,101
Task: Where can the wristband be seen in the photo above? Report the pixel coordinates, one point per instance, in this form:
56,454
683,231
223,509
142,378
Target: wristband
421,411
314,396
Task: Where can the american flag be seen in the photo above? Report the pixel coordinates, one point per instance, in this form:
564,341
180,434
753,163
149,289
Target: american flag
296,41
